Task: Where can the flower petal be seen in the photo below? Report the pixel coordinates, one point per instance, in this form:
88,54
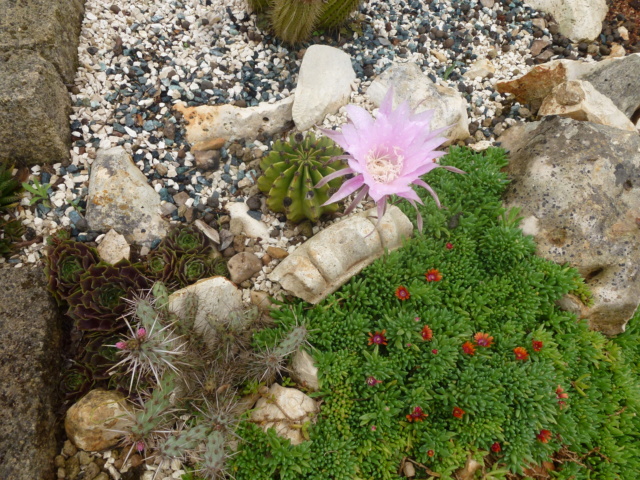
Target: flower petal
361,118
357,199
424,184
331,176
346,189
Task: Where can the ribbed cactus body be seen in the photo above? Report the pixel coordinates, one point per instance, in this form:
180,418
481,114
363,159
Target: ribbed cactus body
295,20
258,6
336,12
292,170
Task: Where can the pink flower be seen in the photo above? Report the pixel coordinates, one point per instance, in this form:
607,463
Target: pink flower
140,446
141,333
387,155
373,381
121,345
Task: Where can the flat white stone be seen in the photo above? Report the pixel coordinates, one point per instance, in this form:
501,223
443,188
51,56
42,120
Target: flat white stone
243,224
114,247
577,19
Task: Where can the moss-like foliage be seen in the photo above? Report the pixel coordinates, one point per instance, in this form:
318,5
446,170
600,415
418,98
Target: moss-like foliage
544,388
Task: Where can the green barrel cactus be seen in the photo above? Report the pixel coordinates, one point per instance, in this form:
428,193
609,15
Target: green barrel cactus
336,12
291,171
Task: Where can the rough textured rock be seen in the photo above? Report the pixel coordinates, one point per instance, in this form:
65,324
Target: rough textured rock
579,100
114,247
481,68
618,79
286,410
30,355
91,421
207,300
121,199
578,186
243,266
324,85
411,85
303,370
577,19
50,28
229,122
243,224
34,109
325,262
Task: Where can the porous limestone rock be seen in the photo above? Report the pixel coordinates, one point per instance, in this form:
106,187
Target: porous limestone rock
121,199
97,421
206,302
324,85
229,122
578,185
410,84
303,370
579,100
114,247
286,410
325,262
577,19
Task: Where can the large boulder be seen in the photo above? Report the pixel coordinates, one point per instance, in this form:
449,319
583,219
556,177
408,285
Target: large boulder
324,85
49,27
411,85
30,354
121,199
327,260
577,19
34,109
578,184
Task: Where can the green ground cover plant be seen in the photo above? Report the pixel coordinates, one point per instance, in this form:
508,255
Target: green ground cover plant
452,348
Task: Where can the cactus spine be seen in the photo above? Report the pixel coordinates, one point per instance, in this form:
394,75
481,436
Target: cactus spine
291,171
267,364
294,20
336,12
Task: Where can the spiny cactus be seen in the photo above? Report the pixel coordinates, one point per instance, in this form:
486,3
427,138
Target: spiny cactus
265,365
176,446
214,458
294,21
291,171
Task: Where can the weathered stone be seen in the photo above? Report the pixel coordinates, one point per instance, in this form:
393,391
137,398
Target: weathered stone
114,247
243,266
30,354
324,85
211,233
411,85
322,264
577,184
579,100
49,28
121,199
303,371
482,68
207,145
229,122
261,300
577,19
277,252
242,223
207,160
34,109
98,420
207,301
286,410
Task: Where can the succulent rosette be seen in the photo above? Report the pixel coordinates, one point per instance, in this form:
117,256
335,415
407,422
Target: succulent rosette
192,268
161,264
65,263
187,240
99,356
100,300
76,381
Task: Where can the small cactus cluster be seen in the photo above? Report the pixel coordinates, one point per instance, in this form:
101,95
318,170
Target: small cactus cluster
294,21
291,171
267,364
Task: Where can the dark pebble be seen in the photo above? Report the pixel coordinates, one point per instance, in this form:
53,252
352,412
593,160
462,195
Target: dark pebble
254,202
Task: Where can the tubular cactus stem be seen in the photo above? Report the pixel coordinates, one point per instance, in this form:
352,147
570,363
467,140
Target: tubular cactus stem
336,12
294,20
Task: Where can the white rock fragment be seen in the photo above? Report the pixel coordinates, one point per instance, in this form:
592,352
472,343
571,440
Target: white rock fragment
577,19
114,247
303,370
242,223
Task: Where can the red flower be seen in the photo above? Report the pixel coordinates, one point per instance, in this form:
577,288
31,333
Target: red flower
431,453
427,333
537,345
483,339
372,381
458,412
434,351
561,395
544,436
433,275
520,353
378,338
495,448
402,293
373,428
449,246
468,348
417,415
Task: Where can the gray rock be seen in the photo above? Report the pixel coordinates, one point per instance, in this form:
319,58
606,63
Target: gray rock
121,199
34,109
324,85
50,28
578,186
243,266
411,85
619,80
30,354
577,19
